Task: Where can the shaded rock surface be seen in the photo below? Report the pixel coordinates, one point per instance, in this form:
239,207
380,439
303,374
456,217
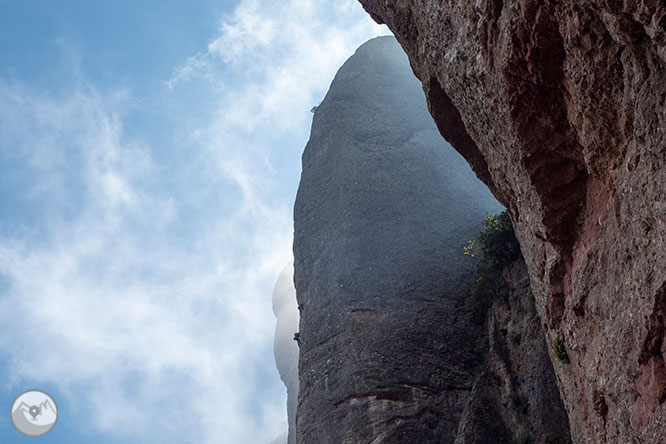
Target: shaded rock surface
285,309
515,398
383,211
560,108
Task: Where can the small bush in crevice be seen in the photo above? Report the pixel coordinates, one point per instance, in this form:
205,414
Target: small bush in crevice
559,351
497,242
497,247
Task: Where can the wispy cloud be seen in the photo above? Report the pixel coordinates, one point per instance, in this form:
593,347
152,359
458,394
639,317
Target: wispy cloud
149,280
122,307
283,53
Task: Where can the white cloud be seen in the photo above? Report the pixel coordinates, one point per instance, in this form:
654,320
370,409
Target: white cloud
151,286
117,300
285,53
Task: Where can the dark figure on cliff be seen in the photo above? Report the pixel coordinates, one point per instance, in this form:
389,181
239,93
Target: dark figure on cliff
300,308
297,338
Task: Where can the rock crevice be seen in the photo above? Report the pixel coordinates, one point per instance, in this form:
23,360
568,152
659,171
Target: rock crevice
564,102
391,351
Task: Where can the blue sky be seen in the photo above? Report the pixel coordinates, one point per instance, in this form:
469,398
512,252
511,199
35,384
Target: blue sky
149,158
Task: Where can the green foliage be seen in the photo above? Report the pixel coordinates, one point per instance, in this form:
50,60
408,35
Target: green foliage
498,247
559,351
497,242
472,249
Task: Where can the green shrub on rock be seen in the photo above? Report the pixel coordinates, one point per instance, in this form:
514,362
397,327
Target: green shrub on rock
498,247
559,351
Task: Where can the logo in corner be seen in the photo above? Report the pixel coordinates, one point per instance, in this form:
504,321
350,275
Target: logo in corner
34,413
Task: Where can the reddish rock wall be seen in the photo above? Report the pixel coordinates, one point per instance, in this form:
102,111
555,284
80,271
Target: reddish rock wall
560,107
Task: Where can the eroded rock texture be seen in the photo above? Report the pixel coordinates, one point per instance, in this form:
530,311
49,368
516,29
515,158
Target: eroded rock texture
390,349
560,108
515,398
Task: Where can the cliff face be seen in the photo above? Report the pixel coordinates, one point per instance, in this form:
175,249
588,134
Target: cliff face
515,398
285,309
390,349
559,106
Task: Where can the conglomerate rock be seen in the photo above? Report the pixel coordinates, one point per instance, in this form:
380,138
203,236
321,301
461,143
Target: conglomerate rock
515,398
560,108
384,208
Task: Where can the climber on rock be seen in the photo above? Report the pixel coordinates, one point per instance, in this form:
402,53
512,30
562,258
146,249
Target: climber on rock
300,307
297,338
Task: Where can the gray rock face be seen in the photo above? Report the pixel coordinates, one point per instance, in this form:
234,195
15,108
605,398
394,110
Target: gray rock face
515,399
383,211
285,309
